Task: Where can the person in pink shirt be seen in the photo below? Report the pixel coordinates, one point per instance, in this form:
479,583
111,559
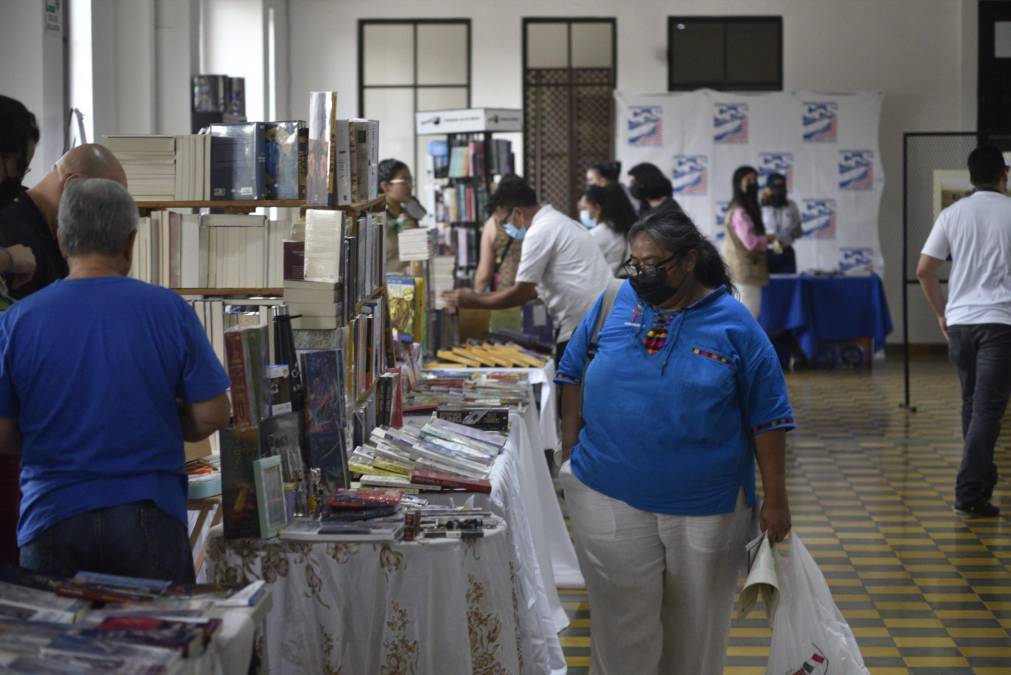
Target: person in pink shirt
746,241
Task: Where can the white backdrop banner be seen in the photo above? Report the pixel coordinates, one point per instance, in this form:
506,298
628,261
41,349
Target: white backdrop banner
825,144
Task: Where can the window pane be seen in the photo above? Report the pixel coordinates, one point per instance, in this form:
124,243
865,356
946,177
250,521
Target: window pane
394,108
591,45
753,52
547,45
696,52
388,52
442,54
442,98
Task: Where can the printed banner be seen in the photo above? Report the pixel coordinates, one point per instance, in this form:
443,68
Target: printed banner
825,144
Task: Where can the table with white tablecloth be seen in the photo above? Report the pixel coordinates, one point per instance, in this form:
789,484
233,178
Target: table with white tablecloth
559,564
442,607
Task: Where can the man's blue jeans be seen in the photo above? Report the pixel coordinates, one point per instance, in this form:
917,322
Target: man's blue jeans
982,355
136,540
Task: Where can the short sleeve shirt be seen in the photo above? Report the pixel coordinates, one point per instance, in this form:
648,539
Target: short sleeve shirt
976,232
92,369
565,263
673,432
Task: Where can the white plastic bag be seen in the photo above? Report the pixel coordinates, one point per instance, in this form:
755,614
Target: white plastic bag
809,633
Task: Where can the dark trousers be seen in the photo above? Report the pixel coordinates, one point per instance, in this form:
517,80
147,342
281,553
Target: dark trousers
135,540
782,263
982,355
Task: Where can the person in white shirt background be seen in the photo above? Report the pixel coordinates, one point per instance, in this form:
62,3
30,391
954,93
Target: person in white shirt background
975,233
782,219
560,263
608,214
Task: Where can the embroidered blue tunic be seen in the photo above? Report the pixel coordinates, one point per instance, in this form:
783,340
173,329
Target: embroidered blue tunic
673,432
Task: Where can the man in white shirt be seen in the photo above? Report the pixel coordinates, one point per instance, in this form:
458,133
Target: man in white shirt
560,263
975,233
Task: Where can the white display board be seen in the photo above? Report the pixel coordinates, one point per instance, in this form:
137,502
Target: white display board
825,144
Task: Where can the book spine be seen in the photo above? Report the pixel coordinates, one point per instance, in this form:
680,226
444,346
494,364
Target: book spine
432,478
242,404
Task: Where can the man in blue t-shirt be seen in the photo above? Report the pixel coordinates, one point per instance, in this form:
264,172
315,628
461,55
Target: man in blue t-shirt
102,377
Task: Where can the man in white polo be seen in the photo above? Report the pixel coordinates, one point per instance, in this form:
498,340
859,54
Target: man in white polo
561,263
975,233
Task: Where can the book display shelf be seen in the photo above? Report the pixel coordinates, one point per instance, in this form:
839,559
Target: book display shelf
463,166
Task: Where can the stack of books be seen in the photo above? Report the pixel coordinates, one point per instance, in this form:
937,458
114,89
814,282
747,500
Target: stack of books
46,625
443,278
416,244
488,355
193,167
149,163
353,515
454,389
314,305
441,454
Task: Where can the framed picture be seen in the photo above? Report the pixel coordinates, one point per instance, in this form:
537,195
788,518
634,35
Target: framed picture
270,496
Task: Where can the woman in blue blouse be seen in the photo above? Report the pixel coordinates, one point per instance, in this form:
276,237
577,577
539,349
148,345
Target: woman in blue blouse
683,393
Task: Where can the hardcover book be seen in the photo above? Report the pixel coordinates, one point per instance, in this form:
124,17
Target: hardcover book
239,449
269,495
286,159
279,436
241,164
327,452
321,165
323,399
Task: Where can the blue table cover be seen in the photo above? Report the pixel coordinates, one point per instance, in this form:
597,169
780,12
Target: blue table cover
825,309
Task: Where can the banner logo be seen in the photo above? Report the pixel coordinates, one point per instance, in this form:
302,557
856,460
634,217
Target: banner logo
721,219
821,122
817,218
856,170
730,123
645,125
856,259
689,174
775,162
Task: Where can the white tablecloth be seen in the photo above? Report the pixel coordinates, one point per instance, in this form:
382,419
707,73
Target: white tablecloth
442,608
559,564
517,478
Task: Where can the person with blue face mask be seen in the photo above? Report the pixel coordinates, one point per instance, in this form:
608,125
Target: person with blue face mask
608,214
560,263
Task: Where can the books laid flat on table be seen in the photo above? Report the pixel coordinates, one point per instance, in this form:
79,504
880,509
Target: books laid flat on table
302,529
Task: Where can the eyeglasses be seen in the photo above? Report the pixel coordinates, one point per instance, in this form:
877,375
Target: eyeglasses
404,181
632,269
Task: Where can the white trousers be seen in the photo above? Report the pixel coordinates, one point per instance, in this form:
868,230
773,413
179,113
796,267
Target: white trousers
751,297
661,587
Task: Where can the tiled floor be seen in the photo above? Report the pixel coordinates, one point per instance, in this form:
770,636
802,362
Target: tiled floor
924,590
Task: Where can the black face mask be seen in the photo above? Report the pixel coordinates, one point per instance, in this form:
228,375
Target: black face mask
654,287
9,189
777,197
752,192
637,192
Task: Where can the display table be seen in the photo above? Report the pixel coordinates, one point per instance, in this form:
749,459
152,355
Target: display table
440,607
825,309
559,564
517,480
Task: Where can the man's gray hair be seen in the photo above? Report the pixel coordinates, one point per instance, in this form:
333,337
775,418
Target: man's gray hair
97,216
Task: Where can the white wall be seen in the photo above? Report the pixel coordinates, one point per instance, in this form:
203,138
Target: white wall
32,72
234,44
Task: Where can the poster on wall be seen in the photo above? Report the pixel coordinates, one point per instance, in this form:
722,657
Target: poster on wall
825,144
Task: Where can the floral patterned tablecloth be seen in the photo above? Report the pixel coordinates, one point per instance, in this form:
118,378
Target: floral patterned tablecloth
442,607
